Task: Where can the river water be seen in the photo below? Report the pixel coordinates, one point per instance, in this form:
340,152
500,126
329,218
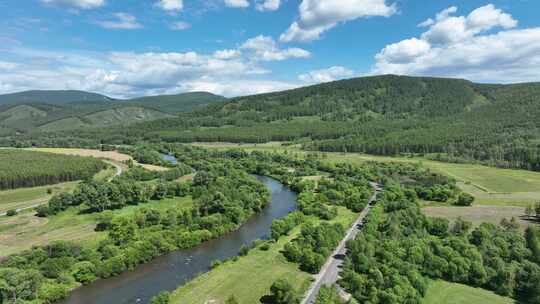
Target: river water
172,270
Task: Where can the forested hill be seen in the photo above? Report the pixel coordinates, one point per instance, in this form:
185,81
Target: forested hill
177,103
359,98
451,119
54,97
48,111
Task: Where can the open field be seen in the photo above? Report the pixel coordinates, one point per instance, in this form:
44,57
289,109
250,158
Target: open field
250,271
25,197
110,155
441,292
479,214
26,230
490,186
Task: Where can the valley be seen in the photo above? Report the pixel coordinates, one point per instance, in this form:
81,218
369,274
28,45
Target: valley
174,213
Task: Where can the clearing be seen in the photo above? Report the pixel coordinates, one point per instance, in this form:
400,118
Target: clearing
480,214
441,292
25,230
26,197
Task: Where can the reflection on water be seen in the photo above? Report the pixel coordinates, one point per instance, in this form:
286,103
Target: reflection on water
174,269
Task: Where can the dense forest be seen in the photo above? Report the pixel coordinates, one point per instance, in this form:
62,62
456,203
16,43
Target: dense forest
447,119
19,168
400,250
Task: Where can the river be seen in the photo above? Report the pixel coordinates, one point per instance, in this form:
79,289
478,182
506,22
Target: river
172,270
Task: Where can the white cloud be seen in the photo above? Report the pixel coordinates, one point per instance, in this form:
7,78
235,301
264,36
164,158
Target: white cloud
326,75
268,5
237,3
481,46
128,74
318,16
227,54
171,5
83,4
266,49
239,87
120,21
448,29
179,26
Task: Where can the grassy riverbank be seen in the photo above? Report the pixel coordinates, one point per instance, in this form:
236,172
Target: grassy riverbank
250,277
25,230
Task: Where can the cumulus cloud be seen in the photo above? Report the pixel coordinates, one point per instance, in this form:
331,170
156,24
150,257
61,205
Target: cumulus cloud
266,49
237,3
267,5
179,26
82,4
171,5
227,54
319,16
482,46
121,21
326,75
129,74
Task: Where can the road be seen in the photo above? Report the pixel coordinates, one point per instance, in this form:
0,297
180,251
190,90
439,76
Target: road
329,273
119,171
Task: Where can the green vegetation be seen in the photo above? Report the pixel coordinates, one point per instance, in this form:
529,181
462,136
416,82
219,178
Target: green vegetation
53,111
29,169
442,292
400,250
224,198
26,197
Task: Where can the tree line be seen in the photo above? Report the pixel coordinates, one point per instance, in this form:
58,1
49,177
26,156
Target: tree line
20,168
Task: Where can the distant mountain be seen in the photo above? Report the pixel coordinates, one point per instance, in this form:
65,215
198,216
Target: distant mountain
56,97
67,110
177,103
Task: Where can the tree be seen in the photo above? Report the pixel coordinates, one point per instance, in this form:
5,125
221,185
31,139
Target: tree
465,199
122,230
282,292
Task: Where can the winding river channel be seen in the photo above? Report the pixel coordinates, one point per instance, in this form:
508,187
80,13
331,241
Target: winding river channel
172,270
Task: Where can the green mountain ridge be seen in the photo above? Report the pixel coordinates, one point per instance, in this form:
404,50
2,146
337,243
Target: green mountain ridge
64,110
448,119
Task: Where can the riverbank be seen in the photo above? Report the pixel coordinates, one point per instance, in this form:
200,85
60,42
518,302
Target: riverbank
233,277
177,268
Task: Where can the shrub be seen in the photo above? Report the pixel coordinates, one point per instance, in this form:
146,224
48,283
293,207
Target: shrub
162,298
11,212
465,199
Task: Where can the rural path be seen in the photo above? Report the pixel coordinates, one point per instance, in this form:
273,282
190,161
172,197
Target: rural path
329,273
119,171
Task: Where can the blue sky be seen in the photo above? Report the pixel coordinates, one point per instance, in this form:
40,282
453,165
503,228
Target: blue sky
127,48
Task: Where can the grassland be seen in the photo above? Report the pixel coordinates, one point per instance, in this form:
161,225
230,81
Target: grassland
490,186
250,277
441,292
26,230
480,214
25,197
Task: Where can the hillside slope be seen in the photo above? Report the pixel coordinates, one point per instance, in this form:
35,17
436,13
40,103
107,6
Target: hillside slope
448,119
67,110
55,97
177,103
